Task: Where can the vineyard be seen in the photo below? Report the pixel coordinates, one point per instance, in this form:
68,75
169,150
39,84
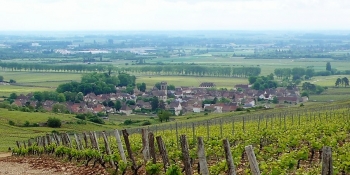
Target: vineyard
299,141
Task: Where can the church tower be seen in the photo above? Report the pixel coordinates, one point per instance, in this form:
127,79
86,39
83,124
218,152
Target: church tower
164,87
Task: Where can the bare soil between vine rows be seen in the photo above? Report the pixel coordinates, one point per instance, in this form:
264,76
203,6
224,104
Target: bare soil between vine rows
43,165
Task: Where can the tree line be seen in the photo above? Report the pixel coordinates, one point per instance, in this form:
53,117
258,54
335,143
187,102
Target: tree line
195,70
182,69
342,81
99,83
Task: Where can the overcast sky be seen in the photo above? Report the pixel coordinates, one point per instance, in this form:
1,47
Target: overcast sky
174,15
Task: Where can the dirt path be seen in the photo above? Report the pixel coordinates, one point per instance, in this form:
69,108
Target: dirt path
45,165
2,155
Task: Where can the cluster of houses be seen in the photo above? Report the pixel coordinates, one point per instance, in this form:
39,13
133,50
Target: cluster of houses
181,100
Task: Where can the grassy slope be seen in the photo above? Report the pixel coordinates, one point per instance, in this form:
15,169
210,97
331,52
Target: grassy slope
9,134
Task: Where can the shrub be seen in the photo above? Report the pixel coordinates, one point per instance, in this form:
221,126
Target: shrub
54,122
81,122
26,124
146,123
240,109
128,122
97,120
81,116
12,123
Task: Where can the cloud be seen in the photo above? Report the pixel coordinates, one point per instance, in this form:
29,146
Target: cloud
173,14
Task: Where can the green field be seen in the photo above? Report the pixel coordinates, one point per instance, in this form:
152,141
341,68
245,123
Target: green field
267,65
326,80
32,77
6,90
35,81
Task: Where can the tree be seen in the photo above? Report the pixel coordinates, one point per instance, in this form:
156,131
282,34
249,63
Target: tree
252,79
12,81
328,66
54,122
59,108
161,104
111,104
130,102
109,68
171,87
338,82
309,73
305,94
141,87
38,96
154,103
1,78
157,85
345,81
117,105
126,79
61,97
13,96
319,89
129,90
275,100
79,97
164,115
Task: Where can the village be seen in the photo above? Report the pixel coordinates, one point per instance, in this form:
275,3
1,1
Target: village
183,100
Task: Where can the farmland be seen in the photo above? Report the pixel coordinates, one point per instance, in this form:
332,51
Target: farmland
283,144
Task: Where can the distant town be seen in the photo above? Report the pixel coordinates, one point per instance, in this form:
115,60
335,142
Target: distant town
181,100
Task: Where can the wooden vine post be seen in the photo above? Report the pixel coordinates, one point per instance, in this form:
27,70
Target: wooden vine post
48,139
152,149
56,138
68,140
177,135
96,142
43,138
85,139
145,145
229,159
92,140
254,167
186,155
208,135
80,143
193,132
221,128
163,152
77,141
63,140
29,142
202,158
120,145
108,149
327,163
128,148
233,125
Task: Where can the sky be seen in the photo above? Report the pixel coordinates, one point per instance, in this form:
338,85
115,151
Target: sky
77,15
